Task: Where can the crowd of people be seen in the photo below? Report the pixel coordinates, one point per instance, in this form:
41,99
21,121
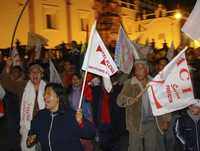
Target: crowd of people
41,115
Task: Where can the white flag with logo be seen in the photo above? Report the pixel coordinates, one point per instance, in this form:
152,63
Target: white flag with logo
54,75
171,89
97,59
191,27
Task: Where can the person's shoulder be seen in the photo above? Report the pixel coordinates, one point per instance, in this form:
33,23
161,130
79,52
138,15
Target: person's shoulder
42,113
70,111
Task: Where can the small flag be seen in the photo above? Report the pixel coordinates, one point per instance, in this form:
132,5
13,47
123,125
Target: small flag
125,52
97,59
36,41
54,75
170,52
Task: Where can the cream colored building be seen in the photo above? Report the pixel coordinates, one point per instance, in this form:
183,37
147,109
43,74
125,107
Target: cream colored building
57,20
66,20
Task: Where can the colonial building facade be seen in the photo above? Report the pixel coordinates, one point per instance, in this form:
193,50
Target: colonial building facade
66,20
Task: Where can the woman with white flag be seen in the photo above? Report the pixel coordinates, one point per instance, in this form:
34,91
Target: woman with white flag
32,102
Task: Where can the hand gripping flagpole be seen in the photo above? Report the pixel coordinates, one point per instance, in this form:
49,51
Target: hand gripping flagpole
85,75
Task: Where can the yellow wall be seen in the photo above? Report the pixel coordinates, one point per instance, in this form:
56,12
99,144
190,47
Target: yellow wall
158,28
81,9
10,10
55,36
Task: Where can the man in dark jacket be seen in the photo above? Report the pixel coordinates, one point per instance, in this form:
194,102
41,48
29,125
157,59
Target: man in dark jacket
187,129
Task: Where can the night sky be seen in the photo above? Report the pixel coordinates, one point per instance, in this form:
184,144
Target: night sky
186,5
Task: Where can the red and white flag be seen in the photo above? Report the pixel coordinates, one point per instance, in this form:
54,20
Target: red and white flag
191,27
97,59
171,89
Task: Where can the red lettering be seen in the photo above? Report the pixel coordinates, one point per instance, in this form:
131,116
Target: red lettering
109,66
181,74
187,90
169,93
174,87
98,49
158,105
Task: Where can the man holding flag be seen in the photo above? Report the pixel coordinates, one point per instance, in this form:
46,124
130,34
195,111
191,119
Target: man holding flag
139,118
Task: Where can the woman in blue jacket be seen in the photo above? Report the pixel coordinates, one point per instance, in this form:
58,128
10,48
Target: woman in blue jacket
57,127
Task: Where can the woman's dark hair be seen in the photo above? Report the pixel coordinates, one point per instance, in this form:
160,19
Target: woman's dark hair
77,74
60,92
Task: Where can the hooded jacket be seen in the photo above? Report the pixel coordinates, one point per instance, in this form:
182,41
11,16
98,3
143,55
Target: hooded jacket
187,131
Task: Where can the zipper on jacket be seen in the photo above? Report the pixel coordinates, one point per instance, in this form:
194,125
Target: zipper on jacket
49,134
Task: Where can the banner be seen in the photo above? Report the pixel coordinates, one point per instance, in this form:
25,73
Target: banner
171,89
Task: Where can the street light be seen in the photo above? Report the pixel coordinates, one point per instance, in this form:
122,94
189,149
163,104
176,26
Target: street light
178,15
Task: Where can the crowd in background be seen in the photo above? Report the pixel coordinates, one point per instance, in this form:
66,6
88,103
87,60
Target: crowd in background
105,110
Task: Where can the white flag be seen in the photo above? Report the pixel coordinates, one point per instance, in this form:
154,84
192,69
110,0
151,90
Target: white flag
125,52
171,89
107,84
170,52
97,59
191,27
36,41
54,75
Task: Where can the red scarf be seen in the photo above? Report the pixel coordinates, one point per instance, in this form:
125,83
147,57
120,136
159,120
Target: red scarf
105,111
2,112
88,90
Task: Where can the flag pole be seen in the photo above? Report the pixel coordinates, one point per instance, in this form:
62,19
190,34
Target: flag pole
82,90
85,75
16,25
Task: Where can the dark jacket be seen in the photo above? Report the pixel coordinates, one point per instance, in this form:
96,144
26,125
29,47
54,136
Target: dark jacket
187,131
60,131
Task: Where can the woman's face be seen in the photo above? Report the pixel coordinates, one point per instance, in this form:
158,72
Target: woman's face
35,76
76,81
51,100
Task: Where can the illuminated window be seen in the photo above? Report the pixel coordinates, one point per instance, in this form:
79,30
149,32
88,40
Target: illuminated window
84,24
50,16
50,21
